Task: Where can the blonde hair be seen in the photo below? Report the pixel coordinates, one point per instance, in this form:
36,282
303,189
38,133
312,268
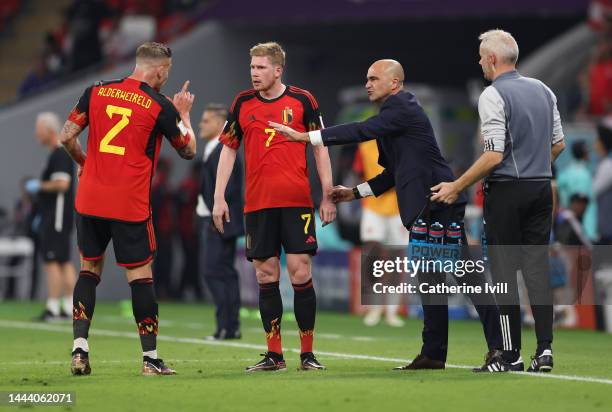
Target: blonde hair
501,44
152,52
49,119
272,50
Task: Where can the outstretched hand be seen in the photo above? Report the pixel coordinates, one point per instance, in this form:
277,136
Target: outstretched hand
339,194
290,133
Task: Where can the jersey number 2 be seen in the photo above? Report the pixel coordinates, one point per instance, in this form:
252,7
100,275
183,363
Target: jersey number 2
105,146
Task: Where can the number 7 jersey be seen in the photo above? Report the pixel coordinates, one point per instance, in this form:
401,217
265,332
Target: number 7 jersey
276,169
126,120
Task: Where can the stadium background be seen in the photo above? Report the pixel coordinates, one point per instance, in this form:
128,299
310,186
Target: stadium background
330,45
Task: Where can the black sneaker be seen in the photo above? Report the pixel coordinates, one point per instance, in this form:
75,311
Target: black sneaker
63,315
218,335
223,335
309,362
80,362
153,367
271,362
46,316
422,362
233,335
494,362
542,362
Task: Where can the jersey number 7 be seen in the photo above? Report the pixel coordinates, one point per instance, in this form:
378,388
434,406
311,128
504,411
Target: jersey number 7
271,133
105,146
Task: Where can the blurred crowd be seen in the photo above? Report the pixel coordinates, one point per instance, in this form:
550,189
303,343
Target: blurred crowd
100,33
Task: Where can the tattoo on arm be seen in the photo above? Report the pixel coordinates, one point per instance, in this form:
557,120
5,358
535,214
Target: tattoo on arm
69,138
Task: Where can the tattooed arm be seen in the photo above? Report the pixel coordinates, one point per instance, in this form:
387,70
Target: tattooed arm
69,139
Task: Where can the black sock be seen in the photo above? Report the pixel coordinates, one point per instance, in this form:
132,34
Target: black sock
144,307
542,346
271,310
83,303
305,308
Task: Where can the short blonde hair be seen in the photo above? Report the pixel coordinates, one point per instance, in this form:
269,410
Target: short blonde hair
272,50
152,51
501,44
50,120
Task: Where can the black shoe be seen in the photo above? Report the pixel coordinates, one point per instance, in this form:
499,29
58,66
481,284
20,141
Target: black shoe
271,362
216,336
46,316
422,362
542,362
308,362
152,367
233,335
80,362
494,362
63,315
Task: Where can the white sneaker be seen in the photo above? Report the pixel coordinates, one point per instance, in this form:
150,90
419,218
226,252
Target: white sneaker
394,321
372,318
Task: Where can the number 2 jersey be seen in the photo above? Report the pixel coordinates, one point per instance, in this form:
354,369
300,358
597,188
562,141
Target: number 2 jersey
276,169
126,120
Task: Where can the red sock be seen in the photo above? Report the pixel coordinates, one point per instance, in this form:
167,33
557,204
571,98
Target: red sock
273,339
306,340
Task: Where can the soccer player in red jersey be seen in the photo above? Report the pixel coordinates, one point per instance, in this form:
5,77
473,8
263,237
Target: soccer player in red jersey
278,205
126,120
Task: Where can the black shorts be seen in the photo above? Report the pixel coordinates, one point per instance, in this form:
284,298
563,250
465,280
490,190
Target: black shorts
268,229
54,245
134,243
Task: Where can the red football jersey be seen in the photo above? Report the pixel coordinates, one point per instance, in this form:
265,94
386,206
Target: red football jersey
276,170
126,120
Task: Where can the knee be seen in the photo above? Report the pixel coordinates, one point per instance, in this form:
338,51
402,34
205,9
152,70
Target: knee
267,275
300,275
94,266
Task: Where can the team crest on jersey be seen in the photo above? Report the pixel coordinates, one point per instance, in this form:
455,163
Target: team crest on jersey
287,115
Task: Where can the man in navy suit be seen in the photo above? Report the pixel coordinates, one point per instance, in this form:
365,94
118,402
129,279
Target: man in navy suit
218,250
413,164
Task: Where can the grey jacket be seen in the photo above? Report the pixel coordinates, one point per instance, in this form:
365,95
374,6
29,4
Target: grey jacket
520,119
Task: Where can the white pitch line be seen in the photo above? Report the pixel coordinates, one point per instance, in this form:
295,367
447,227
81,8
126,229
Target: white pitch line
132,335
194,325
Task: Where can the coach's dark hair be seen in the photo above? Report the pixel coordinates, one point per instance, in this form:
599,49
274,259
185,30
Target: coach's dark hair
152,51
218,109
604,132
579,149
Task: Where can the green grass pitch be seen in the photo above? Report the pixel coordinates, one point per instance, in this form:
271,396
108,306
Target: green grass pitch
211,377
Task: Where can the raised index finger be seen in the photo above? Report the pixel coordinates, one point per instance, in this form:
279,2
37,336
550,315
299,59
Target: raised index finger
185,86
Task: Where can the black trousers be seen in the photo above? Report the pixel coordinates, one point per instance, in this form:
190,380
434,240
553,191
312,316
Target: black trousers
221,277
162,267
518,219
435,307
190,272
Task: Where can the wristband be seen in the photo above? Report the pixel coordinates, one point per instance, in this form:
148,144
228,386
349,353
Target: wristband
356,193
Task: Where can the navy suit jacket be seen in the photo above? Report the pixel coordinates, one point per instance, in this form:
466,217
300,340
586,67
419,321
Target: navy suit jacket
233,192
408,152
